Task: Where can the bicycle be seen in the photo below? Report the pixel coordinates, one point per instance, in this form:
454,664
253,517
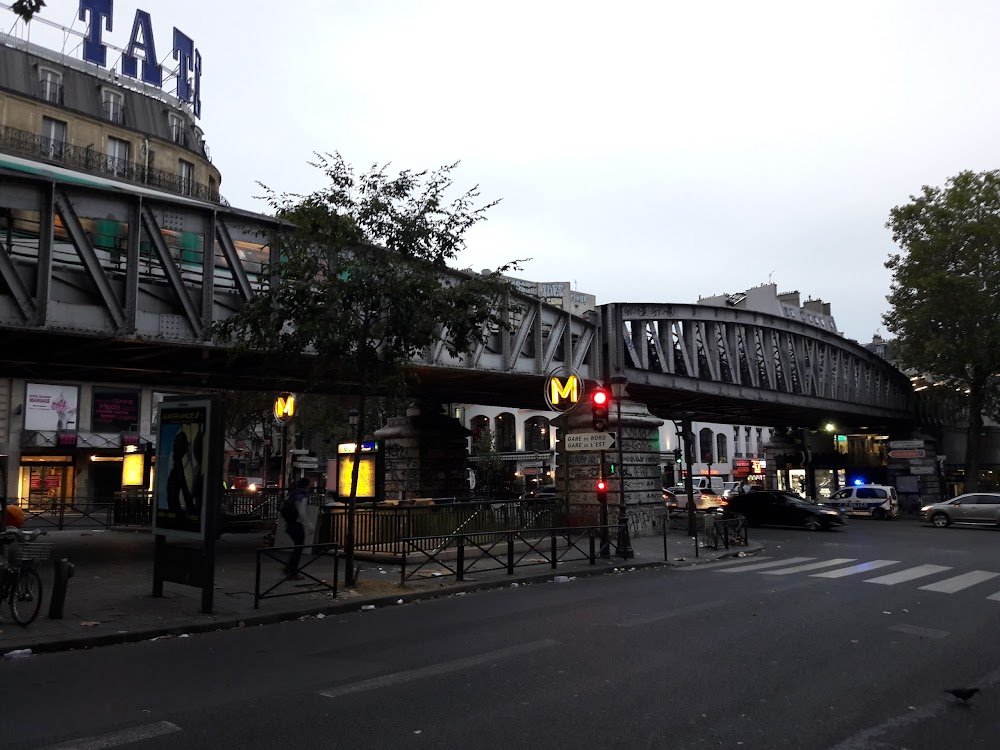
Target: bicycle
20,583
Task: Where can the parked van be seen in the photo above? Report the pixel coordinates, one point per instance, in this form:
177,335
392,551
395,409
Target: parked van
876,500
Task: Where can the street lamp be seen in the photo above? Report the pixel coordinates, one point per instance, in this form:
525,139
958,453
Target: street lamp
618,384
353,418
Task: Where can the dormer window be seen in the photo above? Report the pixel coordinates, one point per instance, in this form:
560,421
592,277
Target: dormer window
113,104
178,129
50,85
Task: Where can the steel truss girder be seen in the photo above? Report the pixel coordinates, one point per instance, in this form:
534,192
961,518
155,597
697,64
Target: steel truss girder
713,350
542,339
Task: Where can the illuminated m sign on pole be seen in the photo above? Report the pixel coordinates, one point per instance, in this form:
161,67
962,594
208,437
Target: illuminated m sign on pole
284,408
563,391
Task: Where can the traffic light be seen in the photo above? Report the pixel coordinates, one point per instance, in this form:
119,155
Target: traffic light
600,400
677,455
602,486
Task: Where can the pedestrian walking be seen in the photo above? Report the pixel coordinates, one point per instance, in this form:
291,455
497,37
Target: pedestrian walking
293,510
744,487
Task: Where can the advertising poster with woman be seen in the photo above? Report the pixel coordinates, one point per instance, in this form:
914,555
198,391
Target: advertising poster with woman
182,454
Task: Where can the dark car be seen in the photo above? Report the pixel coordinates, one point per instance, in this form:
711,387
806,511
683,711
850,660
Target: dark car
773,507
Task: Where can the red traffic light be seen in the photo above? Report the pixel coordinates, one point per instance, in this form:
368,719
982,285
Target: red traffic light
600,397
600,400
601,485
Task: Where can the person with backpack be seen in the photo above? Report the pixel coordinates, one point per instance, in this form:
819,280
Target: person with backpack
293,511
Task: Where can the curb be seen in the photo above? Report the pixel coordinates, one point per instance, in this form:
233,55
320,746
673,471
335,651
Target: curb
270,618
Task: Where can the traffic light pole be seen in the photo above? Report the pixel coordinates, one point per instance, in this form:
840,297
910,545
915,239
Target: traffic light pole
602,499
624,541
689,480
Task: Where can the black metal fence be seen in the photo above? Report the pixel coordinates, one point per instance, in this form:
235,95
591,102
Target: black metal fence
482,552
384,529
292,586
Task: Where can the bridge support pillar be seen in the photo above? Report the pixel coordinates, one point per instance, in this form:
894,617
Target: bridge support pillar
425,454
637,464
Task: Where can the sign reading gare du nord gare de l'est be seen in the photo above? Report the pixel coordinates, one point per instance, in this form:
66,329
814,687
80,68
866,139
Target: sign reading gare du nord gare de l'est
99,15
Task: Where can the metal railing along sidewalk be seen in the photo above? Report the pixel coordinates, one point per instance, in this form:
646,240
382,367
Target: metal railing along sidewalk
311,553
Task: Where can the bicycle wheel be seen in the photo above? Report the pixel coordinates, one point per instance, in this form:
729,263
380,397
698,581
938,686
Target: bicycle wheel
26,596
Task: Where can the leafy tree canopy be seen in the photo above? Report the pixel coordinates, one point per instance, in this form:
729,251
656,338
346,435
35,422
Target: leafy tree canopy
945,292
26,9
364,284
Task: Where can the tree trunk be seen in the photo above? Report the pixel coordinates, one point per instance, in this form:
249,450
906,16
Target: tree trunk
972,437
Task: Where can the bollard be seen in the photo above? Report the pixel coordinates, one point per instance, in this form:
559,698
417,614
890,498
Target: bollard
63,572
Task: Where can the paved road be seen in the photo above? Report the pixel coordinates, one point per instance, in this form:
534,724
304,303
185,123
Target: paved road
842,639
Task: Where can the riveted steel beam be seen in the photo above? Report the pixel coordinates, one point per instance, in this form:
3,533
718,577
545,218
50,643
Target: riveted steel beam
170,270
91,263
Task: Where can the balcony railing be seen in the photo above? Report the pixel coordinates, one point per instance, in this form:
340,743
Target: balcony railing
89,160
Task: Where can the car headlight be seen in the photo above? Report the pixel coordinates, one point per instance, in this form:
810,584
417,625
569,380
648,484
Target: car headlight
925,509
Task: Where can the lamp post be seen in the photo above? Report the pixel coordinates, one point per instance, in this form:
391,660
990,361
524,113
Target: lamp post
353,419
618,384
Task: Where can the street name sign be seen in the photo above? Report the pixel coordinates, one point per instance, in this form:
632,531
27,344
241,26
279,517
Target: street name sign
590,441
909,453
907,444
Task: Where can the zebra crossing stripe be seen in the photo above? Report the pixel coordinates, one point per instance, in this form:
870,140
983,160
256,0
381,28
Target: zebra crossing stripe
809,566
909,574
951,585
762,566
855,569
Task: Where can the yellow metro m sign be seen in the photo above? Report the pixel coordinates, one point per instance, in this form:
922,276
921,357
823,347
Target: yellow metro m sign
562,393
284,407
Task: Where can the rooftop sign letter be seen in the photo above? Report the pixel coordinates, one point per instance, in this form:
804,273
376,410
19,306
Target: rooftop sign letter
151,71
100,19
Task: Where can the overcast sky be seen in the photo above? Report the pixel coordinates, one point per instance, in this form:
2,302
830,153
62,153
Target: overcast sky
644,151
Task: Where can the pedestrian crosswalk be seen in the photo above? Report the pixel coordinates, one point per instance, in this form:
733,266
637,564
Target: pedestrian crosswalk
942,579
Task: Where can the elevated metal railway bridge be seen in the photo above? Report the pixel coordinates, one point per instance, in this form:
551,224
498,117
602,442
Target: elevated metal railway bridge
104,280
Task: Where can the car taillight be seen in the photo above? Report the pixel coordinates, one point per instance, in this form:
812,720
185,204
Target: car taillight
723,502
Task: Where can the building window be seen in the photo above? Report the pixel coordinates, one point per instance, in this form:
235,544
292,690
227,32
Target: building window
746,440
706,438
50,85
506,432
721,446
480,426
117,153
53,138
186,172
736,442
760,442
114,106
536,434
178,129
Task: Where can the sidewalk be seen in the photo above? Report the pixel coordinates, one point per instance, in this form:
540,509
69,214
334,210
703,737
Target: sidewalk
109,599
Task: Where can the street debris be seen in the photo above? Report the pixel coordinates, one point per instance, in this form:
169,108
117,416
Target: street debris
399,601
89,623
366,607
561,579
20,653
184,635
320,616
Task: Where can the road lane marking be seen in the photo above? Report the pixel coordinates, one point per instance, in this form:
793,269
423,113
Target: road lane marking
917,630
690,609
951,585
436,670
121,737
809,566
723,563
909,574
762,566
855,569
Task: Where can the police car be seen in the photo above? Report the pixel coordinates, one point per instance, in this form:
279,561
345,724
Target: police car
878,501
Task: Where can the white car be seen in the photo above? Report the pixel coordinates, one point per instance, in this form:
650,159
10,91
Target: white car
876,500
